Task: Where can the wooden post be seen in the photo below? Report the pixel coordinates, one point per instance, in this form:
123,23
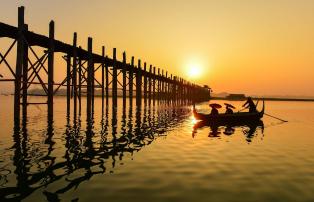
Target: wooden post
178,90
162,86
131,81
19,66
80,85
89,78
50,69
107,83
68,60
74,83
93,88
25,75
150,85
145,84
166,88
190,92
114,81
158,85
124,80
154,85
183,92
171,89
139,85
103,79
174,90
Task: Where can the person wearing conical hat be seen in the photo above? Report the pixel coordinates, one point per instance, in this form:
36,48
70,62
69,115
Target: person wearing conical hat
214,107
214,111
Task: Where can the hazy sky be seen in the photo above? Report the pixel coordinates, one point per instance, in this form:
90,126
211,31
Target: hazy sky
260,47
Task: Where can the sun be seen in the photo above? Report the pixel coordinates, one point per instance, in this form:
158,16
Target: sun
194,70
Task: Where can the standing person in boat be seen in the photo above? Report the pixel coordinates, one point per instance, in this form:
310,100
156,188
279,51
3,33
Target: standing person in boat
250,104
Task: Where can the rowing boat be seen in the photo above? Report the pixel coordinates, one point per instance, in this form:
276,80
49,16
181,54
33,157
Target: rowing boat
235,118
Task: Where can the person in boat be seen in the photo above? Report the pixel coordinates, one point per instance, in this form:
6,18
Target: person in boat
214,110
229,108
250,104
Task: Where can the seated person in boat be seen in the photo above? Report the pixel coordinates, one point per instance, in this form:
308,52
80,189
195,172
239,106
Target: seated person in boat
214,111
250,104
229,108
214,107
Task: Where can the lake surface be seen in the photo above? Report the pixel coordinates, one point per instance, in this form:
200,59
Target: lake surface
155,154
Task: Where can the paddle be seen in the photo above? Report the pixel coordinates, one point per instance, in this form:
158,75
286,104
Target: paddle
276,117
242,109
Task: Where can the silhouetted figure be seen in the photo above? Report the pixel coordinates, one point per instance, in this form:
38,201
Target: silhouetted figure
214,107
250,104
214,111
229,108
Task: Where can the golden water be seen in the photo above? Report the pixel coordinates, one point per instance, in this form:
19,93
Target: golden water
155,155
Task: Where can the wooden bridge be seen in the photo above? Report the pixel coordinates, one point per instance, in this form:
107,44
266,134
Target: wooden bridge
151,84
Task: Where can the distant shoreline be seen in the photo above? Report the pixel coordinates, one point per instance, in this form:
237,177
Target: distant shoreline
267,98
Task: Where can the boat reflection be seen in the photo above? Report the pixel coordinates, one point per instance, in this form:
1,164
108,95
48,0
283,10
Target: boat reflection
248,129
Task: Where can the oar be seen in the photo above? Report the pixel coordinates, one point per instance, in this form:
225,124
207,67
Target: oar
242,109
276,117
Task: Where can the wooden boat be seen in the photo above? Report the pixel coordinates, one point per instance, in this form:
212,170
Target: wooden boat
235,118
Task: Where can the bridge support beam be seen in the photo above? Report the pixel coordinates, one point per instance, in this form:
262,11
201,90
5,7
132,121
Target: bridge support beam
114,81
90,67
124,80
131,82
51,68
139,85
68,61
19,66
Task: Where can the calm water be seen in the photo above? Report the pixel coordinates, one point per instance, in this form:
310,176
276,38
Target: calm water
156,155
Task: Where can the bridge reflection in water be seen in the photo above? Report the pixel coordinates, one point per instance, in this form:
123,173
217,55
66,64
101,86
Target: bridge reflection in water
68,156
86,152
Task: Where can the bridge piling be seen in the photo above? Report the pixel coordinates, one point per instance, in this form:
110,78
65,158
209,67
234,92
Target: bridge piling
124,80
68,78
89,82
25,75
150,85
103,79
107,83
131,82
154,86
158,85
51,68
138,85
74,83
114,81
80,84
145,84
19,66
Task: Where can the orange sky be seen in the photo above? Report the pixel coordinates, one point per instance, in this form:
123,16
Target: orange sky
252,46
